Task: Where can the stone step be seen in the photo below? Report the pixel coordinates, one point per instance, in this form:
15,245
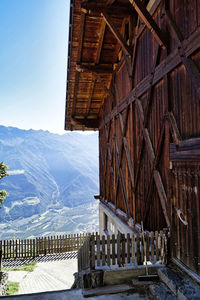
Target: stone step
181,287
161,292
106,290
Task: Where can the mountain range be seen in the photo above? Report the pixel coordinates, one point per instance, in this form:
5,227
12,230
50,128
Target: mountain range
51,183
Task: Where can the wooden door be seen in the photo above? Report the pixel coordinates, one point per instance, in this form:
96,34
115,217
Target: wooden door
186,214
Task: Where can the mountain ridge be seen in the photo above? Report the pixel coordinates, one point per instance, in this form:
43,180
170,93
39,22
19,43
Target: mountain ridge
50,174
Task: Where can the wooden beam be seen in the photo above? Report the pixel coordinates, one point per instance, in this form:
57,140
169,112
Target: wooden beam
118,45
162,195
89,123
128,157
157,155
99,69
174,128
122,179
117,35
125,144
109,155
149,21
100,44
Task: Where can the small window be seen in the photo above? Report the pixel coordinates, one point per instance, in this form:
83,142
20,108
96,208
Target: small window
105,223
112,227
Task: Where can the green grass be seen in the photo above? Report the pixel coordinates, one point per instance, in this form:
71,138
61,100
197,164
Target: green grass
13,288
28,267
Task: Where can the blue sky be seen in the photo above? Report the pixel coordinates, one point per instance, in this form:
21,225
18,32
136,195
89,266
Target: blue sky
33,63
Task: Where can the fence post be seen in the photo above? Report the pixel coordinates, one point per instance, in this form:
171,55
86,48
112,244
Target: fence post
15,249
92,253
119,249
133,248
113,249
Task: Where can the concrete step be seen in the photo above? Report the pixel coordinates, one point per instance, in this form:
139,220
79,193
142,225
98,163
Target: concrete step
161,292
181,287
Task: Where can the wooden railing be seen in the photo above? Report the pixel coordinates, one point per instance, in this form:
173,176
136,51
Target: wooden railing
123,250
41,246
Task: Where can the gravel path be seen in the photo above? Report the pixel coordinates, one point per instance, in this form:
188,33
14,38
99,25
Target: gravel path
47,276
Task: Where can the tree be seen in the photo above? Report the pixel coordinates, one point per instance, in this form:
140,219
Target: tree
3,173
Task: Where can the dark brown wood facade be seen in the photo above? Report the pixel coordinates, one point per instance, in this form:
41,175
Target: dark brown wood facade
134,75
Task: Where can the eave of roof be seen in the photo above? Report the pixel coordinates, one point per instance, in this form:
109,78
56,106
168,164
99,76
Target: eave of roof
92,56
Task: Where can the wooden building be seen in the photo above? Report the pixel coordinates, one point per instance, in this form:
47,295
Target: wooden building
134,75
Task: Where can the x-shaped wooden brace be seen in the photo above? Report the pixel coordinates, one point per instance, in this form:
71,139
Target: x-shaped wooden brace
151,155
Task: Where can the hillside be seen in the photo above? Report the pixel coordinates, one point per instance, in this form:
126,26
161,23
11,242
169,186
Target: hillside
51,184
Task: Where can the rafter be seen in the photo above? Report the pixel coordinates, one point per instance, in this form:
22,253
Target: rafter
79,54
149,22
117,34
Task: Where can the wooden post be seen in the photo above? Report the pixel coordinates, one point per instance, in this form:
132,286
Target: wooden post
34,248
113,249
147,246
138,249
45,246
4,248
128,248
92,253
119,249
108,250
15,248
98,250
7,249
161,245
10,249
31,247
24,248
103,251
133,248
152,246
123,249
157,248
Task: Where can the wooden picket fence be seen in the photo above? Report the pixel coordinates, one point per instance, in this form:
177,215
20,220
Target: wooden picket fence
41,246
122,250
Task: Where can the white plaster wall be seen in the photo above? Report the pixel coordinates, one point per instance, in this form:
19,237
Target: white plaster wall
114,223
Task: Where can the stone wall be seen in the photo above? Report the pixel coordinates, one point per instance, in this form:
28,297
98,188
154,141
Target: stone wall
3,283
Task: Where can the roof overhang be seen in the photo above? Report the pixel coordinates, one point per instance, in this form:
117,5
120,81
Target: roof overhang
93,57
